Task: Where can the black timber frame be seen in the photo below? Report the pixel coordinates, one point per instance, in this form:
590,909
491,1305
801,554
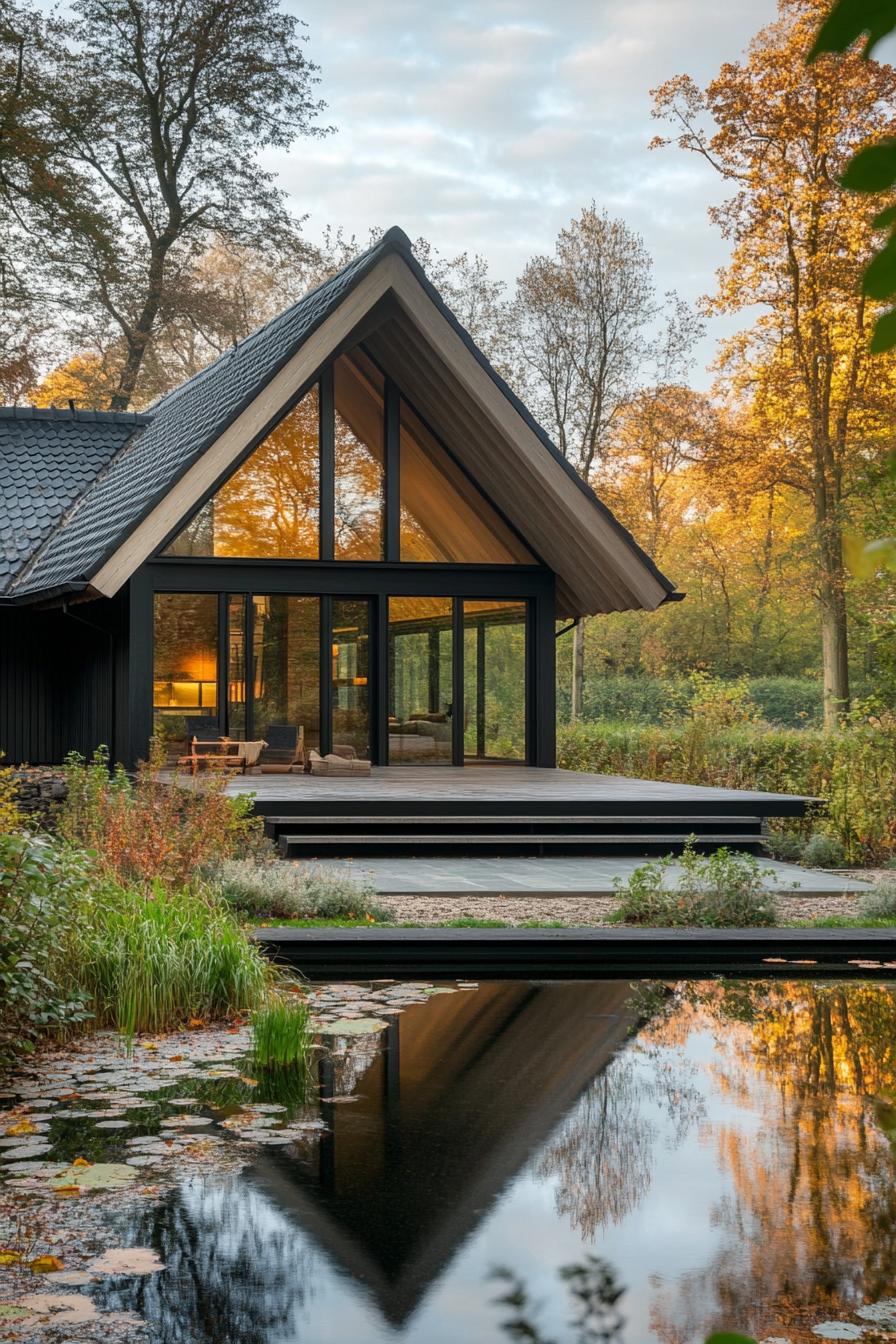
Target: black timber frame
377,581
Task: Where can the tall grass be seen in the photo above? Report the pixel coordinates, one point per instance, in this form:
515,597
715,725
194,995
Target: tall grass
280,1033
150,961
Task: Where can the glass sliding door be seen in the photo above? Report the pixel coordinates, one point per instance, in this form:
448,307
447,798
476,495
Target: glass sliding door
350,661
185,668
285,681
421,680
236,665
494,681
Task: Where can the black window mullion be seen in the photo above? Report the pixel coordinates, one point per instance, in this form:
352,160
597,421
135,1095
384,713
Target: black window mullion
392,438
326,675
326,402
457,689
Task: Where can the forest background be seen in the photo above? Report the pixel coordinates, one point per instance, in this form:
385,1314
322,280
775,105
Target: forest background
140,238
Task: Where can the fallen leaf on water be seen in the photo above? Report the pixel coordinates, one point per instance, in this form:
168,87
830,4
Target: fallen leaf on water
148,1045
196,1022
9,1257
67,1191
175,1059
45,1264
81,1162
23,1127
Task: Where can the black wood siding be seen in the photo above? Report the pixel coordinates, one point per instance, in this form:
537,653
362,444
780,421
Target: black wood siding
61,674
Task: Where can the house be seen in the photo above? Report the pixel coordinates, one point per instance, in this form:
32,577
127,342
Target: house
348,523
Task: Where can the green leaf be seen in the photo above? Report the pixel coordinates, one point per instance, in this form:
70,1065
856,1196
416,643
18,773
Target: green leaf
883,337
872,168
885,218
850,19
726,1337
879,280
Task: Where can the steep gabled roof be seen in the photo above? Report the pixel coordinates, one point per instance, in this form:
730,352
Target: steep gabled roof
48,458
196,434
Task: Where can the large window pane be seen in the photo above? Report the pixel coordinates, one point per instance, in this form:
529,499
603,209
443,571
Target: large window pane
495,681
185,668
421,680
270,506
358,394
236,665
444,517
286,665
350,660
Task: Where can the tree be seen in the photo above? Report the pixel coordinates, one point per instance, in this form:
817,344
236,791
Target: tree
160,112
580,344
782,134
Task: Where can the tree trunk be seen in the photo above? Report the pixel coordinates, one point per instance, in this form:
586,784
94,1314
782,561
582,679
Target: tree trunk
139,336
578,669
834,639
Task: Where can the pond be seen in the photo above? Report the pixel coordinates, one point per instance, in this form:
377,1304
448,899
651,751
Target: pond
558,1162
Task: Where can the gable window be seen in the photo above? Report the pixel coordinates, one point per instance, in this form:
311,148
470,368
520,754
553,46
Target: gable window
444,517
359,465
270,507
351,473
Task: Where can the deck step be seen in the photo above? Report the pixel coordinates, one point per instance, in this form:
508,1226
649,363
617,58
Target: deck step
508,825
414,844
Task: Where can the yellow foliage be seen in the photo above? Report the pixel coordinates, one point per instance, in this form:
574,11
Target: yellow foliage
85,379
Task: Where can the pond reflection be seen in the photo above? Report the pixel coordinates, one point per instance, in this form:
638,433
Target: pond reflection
564,1163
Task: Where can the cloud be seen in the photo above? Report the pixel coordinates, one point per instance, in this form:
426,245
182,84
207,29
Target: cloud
487,126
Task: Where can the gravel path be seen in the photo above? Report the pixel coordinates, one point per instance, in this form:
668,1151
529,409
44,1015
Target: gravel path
573,910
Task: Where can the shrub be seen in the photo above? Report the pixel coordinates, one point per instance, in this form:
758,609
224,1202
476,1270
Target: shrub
788,702
880,902
293,891
853,771
823,851
785,846
146,831
40,886
12,817
150,960
280,1033
718,890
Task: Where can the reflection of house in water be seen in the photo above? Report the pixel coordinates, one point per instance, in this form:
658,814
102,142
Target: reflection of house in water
467,1088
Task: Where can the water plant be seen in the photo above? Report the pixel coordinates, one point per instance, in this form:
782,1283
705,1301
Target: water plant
280,1033
724,889
152,960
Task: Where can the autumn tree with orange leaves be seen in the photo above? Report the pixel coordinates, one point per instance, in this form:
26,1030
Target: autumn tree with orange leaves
781,132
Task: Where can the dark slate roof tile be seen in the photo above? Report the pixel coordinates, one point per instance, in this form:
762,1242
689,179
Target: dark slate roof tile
183,425
48,458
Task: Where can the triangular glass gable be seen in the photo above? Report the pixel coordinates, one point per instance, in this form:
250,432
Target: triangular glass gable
270,507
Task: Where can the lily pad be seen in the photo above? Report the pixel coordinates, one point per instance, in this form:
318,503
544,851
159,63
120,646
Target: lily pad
355,1026
128,1260
838,1330
101,1176
880,1313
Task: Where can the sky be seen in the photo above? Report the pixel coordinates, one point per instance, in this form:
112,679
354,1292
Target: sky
486,126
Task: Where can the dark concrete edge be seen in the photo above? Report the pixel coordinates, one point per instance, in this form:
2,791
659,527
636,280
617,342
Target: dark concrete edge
584,952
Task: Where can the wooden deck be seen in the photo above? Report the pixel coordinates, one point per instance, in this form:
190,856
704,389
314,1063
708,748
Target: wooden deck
485,786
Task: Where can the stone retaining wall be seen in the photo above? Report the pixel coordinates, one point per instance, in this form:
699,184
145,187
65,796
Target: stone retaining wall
39,790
